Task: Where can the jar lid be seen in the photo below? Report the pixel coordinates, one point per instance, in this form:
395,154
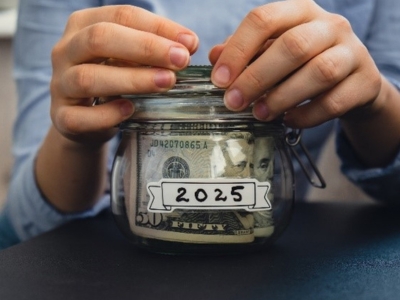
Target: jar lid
194,98
195,79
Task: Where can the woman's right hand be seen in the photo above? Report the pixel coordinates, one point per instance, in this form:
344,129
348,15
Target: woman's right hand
112,50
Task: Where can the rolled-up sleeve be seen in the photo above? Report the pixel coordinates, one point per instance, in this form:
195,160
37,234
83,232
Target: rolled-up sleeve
382,184
29,213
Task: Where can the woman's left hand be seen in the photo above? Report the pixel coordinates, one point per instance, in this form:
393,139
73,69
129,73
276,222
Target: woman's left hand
287,52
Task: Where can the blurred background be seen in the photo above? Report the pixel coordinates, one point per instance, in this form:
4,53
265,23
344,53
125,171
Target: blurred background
338,187
8,19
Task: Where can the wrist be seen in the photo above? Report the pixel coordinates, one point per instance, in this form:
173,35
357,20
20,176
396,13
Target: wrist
71,175
374,130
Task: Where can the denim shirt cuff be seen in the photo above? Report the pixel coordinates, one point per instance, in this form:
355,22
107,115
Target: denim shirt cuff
380,183
30,214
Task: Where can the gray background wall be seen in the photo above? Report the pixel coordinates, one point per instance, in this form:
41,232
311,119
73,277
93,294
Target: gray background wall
7,114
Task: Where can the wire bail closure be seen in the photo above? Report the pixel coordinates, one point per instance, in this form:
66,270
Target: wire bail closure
293,138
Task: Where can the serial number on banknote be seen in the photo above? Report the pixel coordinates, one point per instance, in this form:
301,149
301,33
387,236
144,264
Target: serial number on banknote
179,144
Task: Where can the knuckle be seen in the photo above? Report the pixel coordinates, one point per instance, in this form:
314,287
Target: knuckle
260,17
326,70
83,80
295,45
96,37
340,22
75,17
376,83
239,51
148,47
55,86
253,79
67,122
56,53
127,14
333,106
161,26
374,80
123,14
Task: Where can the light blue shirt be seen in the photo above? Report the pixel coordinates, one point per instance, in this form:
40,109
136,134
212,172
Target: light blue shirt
40,25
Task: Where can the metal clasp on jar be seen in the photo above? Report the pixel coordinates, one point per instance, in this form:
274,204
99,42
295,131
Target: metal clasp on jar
293,139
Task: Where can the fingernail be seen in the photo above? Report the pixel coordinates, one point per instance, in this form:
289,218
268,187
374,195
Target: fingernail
178,56
163,79
188,40
126,108
233,99
260,111
222,76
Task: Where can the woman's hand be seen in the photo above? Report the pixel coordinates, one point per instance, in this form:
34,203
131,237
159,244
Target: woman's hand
112,50
287,52
106,51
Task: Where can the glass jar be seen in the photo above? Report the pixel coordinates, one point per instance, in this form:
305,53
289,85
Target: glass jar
192,177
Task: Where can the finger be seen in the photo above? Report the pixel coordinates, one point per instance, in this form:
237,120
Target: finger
215,52
104,40
320,74
77,120
133,17
120,63
356,91
263,48
263,23
283,57
90,80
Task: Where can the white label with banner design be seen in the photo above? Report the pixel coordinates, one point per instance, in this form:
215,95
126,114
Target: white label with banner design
170,194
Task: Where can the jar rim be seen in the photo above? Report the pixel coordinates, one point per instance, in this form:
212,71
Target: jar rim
194,98
193,80
274,128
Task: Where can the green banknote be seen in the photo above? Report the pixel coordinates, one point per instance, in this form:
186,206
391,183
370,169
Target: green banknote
205,183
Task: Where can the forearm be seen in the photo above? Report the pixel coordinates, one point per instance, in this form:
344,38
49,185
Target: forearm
71,176
374,131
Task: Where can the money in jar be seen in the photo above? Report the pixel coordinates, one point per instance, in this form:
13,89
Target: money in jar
192,177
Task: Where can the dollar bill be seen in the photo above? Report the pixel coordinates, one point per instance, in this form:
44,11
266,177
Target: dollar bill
263,170
198,154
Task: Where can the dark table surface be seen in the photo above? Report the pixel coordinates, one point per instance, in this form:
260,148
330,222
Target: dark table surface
329,251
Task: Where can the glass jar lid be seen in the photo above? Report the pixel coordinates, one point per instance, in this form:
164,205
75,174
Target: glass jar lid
194,98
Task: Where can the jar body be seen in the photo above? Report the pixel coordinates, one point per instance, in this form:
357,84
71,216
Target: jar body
202,187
